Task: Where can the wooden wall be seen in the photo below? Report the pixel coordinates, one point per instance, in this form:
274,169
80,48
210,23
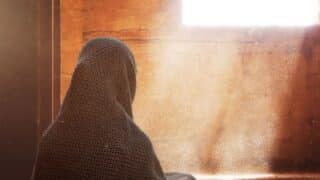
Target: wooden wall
211,99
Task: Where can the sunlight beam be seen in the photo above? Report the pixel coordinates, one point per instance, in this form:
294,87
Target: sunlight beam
250,12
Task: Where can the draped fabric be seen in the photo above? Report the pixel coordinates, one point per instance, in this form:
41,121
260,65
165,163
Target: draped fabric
94,136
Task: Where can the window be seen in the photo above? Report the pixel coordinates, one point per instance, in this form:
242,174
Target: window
250,12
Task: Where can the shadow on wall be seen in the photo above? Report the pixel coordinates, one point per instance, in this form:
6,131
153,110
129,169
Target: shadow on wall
297,143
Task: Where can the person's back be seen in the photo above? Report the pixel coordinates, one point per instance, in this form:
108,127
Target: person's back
94,136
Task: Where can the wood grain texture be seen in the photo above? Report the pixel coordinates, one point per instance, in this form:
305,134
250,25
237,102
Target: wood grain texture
216,99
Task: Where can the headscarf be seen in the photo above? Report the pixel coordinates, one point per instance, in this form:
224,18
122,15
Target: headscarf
94,135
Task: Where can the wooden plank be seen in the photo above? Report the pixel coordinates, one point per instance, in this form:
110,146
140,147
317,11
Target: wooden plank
196,34
56,59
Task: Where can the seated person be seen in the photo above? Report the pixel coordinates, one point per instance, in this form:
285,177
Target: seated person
94,135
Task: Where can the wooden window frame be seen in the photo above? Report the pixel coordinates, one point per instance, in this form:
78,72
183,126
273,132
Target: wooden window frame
49,63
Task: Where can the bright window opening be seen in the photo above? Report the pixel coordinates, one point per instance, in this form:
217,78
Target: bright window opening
250,12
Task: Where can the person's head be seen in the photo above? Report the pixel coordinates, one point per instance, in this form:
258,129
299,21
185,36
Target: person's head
106,68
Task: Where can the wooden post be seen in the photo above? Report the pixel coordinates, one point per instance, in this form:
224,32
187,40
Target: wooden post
49,62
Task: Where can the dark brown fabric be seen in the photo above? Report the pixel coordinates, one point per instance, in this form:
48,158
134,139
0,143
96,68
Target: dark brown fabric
94,136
